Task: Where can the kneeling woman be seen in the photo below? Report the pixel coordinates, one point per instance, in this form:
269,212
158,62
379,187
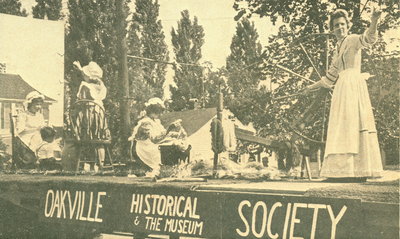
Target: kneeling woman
148,133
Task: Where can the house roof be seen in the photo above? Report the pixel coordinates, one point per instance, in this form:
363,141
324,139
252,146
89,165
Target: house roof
15,88
192,120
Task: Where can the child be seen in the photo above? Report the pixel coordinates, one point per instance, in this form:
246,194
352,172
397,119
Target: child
46,152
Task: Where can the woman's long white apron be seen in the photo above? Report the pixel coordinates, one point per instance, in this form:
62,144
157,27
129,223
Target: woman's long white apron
352,148
149,153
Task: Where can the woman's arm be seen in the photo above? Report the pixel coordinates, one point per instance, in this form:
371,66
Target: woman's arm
371,34
326,81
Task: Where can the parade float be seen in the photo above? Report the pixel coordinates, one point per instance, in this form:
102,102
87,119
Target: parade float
199,205
209,197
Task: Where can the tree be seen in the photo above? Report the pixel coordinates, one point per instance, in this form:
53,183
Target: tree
12,7
50,9
243,75
300,18
91,36
146,32
187,41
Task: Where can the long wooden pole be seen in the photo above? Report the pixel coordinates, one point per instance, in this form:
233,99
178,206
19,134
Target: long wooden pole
123,73
293,73
220,108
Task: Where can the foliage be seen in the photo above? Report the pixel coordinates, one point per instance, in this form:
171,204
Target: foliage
50,9
243,76
384,89
146,39
91,36
187,41
298,19
12,7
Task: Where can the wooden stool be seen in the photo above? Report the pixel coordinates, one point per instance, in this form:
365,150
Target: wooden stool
81,122
87,153
305,164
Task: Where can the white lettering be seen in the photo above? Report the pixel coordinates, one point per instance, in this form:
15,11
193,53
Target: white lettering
271,214
98,206
254,218
46,212
335,220
315,217
295,220
246,223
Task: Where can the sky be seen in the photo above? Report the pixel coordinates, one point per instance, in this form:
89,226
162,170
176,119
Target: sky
217,19
35,52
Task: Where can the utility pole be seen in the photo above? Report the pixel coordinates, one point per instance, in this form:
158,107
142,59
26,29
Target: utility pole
123,78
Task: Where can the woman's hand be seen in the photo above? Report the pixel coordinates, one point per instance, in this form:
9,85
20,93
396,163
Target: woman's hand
316,86
77,64
376,14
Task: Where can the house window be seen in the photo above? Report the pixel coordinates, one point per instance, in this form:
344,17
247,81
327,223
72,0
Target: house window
46,113
17,108
6,110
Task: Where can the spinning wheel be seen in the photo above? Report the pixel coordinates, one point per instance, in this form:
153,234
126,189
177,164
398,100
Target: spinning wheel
293,65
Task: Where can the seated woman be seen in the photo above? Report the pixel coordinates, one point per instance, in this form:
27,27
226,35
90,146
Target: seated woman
27,131
148,134
31,120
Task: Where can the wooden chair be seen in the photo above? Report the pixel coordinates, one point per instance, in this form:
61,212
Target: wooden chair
22,155
80,125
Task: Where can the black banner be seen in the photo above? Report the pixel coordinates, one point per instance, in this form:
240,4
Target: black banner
294,217
156,211
175,211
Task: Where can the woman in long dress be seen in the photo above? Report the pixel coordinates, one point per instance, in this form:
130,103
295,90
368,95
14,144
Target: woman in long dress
148,134
29,122
352,149
92,124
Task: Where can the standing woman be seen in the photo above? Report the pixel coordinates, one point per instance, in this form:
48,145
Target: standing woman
93,124
352,149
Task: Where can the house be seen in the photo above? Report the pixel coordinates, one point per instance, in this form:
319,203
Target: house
13,90
197,124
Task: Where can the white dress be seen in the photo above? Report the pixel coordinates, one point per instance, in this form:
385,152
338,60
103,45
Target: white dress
28,127
352,148
147,149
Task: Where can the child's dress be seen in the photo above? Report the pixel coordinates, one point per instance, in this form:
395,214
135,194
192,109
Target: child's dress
92,123
352,148
46,155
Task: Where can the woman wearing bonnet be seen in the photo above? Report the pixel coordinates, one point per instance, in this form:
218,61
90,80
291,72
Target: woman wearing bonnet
92,88
31,120
148,133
